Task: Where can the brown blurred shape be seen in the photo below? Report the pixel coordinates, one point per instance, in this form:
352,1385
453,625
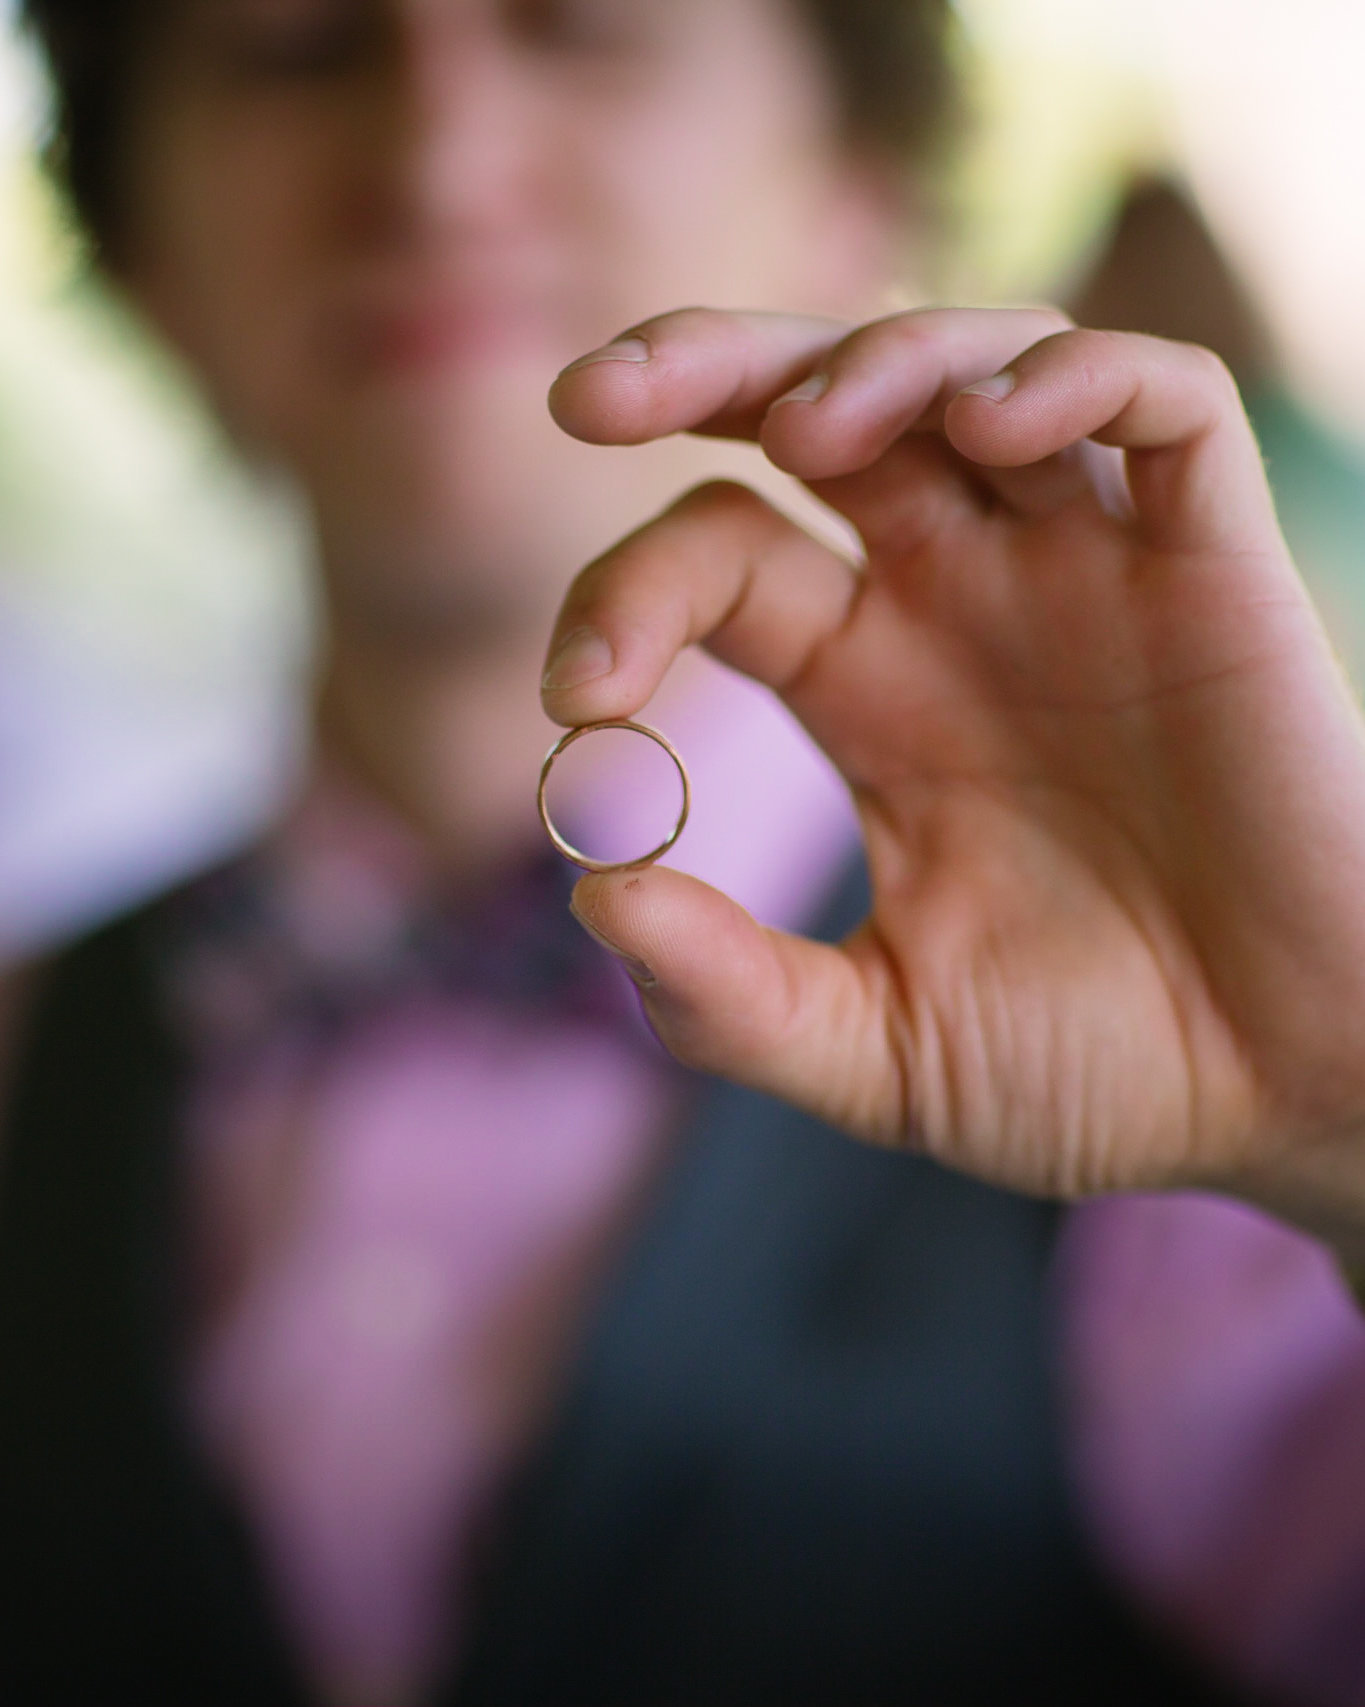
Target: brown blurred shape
1162,271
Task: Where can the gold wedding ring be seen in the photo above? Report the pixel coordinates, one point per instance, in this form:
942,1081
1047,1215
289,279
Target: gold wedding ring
562,745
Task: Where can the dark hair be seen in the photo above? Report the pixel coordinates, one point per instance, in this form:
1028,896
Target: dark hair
891,59
894,67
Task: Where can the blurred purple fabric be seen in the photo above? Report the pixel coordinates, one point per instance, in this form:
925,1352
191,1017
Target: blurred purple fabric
1215,1373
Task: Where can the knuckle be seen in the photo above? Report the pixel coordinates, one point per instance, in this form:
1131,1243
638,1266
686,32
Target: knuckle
590,590
1087,352
680,321
1212,371
1095,344
906,329
621,567
680,330
714,500
885,340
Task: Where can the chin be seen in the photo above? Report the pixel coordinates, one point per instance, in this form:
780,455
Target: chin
500,481
413,592
433,429
454,539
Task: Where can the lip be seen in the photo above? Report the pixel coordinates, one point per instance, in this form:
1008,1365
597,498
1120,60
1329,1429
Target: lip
430,332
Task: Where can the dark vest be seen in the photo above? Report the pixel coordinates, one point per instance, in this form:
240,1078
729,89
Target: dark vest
808,1456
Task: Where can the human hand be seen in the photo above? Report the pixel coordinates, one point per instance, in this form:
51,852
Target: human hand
1111,780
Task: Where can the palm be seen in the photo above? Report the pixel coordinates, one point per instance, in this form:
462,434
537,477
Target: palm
1114,804
1020,742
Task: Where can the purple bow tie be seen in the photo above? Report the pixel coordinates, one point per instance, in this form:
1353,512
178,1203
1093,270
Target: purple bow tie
244,958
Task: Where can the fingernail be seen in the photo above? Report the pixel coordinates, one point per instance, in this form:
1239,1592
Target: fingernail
623,350
809,391
997,388
637,969
583,656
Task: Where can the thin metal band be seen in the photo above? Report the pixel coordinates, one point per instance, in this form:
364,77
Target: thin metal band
569,851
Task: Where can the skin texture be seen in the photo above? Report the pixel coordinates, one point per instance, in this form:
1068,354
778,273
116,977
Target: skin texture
1111,779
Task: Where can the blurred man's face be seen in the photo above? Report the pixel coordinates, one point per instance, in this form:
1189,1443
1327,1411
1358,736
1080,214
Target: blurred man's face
379,227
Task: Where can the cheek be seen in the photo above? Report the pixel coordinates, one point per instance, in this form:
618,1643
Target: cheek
711,201
224,259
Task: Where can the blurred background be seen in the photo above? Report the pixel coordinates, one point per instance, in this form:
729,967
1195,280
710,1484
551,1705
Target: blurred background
1191,167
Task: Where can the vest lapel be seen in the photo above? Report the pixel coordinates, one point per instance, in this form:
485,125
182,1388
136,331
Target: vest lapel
136,1582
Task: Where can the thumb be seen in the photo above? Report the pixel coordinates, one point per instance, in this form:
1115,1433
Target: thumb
726,995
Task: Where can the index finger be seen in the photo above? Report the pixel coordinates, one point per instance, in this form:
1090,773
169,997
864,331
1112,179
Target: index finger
700,370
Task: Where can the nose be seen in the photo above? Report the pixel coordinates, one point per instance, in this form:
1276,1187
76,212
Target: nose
456,128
